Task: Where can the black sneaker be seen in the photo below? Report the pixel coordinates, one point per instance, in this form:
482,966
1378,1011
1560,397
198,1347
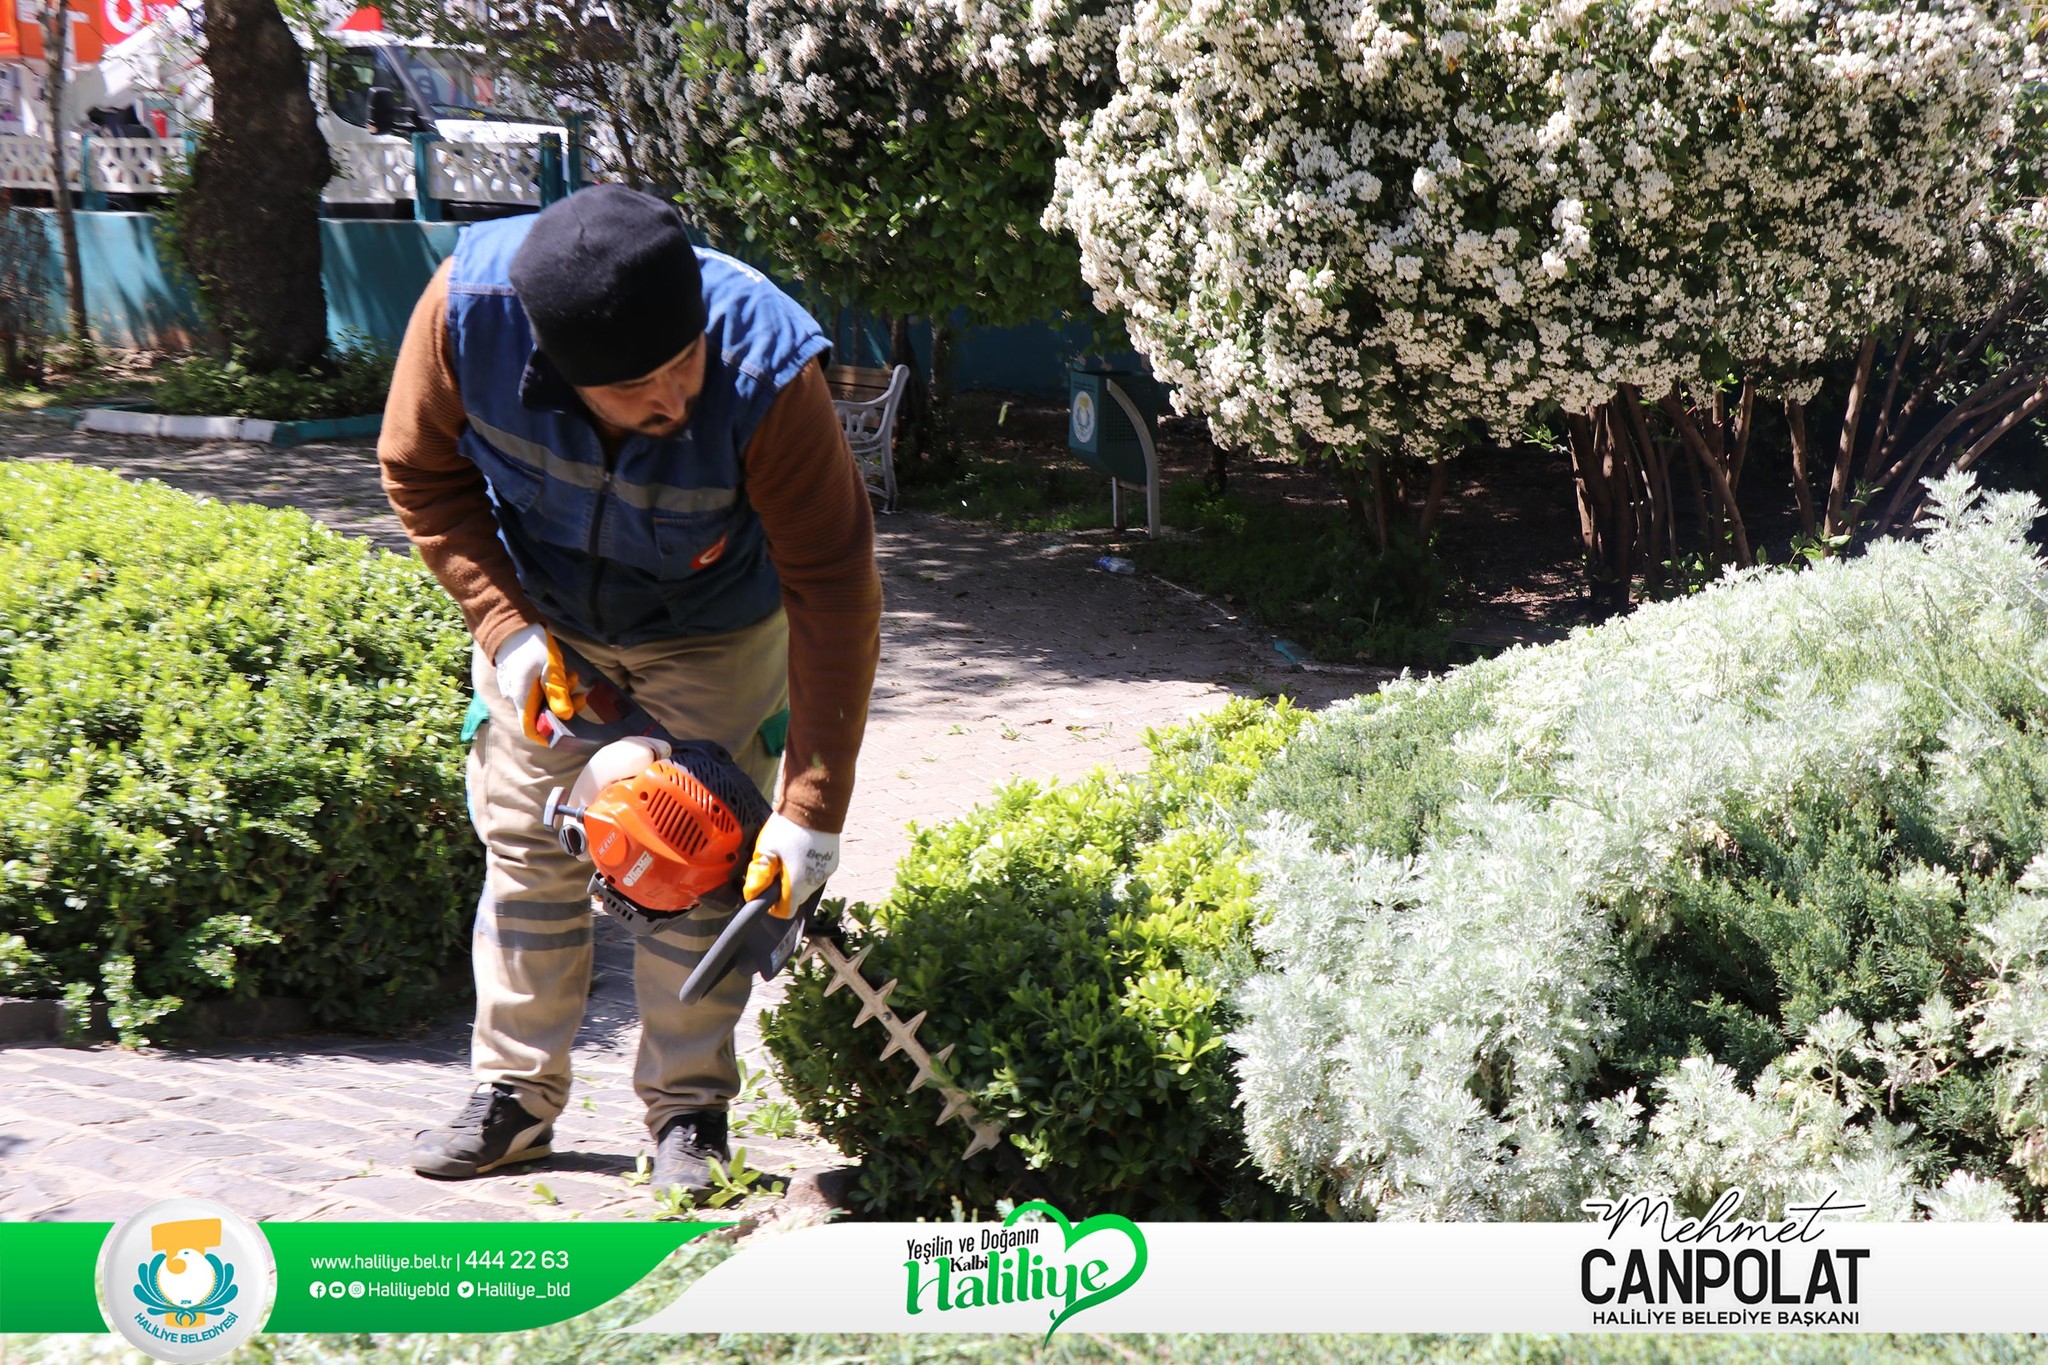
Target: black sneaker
492,1130
683,1149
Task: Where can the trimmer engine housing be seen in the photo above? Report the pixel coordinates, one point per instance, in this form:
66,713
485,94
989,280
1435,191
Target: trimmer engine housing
671,836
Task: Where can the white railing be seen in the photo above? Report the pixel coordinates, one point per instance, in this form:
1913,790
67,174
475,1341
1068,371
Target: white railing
485,172
131,165
365,172
370,173
25,162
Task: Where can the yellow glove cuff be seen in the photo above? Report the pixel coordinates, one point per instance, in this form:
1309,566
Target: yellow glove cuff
762,875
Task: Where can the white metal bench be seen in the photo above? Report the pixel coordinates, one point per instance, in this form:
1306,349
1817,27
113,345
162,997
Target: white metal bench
867,401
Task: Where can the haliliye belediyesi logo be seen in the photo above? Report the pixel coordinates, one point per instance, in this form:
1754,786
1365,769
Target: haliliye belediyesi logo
1084,417
186,1280
1067,1266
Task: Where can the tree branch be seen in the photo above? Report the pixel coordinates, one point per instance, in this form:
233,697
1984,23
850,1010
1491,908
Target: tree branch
1717,477
1802,487
1904,477
1980,440
1663,522
1745,412
1838,485
1881,435
1951,360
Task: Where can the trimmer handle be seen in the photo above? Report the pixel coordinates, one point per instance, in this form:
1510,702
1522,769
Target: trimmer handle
725,953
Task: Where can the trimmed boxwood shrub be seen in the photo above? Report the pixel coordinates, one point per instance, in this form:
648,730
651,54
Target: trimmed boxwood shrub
1075,944
231,764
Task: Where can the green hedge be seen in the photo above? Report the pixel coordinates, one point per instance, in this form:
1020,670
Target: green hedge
350,383
231,763
1075,944
1746,890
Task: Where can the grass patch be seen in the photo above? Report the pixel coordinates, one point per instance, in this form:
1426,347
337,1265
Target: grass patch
80,379
1015,492
1301,573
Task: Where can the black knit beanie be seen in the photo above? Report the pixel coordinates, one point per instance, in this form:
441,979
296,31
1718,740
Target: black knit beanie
610,283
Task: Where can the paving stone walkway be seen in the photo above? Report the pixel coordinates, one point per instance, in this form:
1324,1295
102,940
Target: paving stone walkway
1003,656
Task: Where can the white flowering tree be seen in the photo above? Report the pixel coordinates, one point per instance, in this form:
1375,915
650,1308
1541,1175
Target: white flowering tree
848,144
1054,58
1356,231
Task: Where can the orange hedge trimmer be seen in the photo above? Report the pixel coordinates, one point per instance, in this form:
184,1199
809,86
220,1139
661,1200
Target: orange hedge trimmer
668,824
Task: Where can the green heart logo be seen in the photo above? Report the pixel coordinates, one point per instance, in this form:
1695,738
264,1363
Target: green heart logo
1101,1222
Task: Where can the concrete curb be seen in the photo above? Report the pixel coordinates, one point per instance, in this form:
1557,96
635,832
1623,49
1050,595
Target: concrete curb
171,426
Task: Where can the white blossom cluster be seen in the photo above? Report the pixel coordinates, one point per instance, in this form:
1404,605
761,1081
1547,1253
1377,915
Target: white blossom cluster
1424,1036
848,144
792,76
1368,226
1055,58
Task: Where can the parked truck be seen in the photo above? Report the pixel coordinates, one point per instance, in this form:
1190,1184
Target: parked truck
134,71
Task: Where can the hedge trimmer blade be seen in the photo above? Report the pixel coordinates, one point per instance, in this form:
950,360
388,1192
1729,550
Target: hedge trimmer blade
874,1004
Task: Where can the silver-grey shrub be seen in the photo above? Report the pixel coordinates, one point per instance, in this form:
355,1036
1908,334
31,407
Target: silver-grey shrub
1512,914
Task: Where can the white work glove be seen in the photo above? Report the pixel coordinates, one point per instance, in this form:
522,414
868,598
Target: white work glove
520,662
800,858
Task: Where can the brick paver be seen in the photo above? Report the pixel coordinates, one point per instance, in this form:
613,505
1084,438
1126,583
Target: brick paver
1003,656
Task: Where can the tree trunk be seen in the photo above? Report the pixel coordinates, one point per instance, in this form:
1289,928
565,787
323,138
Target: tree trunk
1710,450
1361,512
55,46
1622,476
1660,533
250,222
1433,499
944,448
913,429
1839,487
1384,497
1802,471
1218,478
1607,510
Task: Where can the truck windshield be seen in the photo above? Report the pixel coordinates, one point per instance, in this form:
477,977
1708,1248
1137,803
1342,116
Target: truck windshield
449,83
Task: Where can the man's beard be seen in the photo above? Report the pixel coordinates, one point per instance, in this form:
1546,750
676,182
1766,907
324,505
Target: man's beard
656,428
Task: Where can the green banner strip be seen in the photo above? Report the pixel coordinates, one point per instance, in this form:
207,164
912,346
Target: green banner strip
369,1277
46,1277
458,1277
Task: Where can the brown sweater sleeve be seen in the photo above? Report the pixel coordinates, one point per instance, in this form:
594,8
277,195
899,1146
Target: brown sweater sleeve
438,494
813,505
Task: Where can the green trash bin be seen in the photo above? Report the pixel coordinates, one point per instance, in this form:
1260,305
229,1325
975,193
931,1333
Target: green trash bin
1113,425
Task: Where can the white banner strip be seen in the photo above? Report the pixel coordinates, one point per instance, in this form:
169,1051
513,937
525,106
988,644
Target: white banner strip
1382,1277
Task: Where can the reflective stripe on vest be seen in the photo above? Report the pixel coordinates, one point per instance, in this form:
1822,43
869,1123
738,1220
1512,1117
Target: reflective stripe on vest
658,540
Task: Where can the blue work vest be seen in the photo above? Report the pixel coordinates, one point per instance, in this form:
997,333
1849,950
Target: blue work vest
658,540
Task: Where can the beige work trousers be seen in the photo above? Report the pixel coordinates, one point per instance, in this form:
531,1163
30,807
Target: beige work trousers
531,947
